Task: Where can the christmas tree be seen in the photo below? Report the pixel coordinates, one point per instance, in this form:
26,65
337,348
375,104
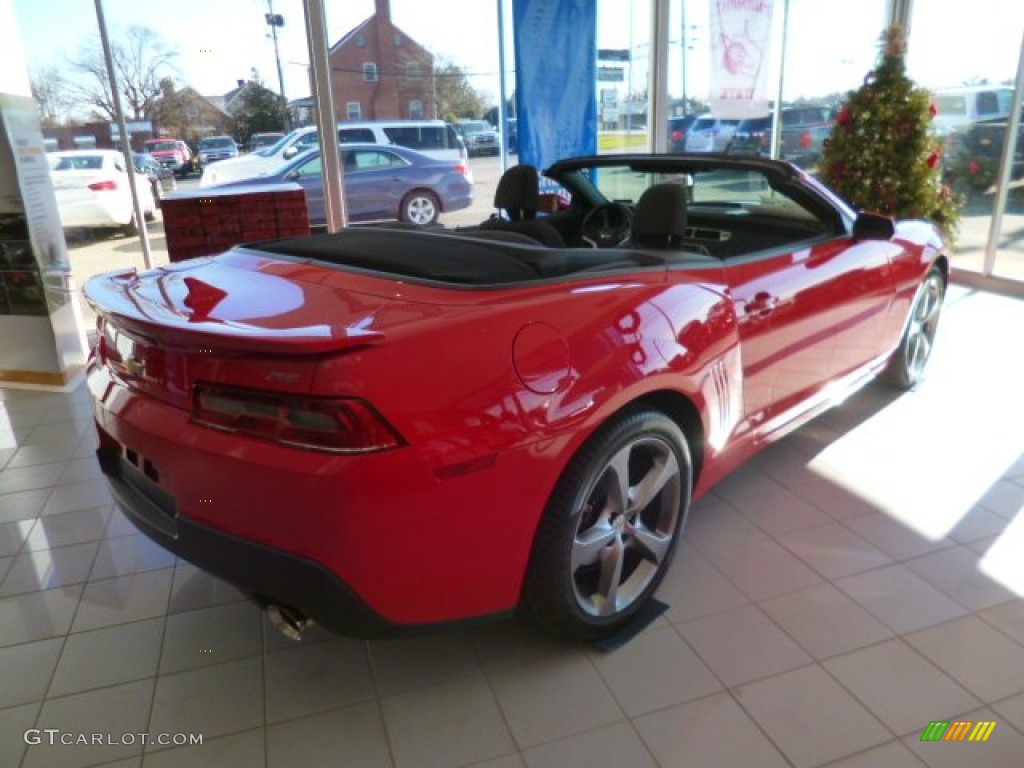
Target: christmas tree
882,155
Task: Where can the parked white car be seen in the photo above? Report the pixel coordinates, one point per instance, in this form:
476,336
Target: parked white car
92,190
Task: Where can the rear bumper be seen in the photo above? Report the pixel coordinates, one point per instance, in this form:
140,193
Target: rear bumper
333,537
267,574
93,213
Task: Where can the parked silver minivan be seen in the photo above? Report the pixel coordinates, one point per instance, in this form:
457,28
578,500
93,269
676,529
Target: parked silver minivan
968,104
710,134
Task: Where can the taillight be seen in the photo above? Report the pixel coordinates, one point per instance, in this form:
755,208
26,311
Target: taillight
103,186
335,425
677,136
462,169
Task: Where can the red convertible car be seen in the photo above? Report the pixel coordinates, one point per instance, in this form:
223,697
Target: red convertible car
385,429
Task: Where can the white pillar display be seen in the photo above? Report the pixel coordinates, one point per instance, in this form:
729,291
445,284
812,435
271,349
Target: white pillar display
42,342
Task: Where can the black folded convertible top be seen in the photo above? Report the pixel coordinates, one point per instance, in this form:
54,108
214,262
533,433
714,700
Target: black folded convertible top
464,258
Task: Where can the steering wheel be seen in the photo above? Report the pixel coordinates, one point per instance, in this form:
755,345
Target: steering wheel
606,225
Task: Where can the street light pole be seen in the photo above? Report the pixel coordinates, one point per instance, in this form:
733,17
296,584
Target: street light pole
276,20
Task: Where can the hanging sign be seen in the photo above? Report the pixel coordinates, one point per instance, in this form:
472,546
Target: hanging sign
740,47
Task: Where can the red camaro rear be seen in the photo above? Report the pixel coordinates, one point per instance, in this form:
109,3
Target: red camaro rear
391,429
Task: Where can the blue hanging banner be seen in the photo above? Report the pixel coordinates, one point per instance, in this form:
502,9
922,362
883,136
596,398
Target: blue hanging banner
556,75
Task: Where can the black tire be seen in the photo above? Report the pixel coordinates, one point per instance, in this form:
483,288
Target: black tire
601,550
906,367
420,207
131,229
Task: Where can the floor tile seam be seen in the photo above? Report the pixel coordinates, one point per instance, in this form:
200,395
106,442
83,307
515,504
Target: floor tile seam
866,750
736,586
829,578
378,699
64,644
53,674
156,686
969,608
757,600
733,508
918,653
107,538
262,621
738,702
70,485
51,549
962,683
40,517
79,587
895,630
980,615
35,468
487,674
35,723
1019,729
42,506
87,584
103,540
627,720
154,748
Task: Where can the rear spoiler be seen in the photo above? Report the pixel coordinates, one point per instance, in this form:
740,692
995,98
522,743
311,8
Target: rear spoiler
116,297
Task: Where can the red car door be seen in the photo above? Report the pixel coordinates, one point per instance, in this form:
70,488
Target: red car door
806,317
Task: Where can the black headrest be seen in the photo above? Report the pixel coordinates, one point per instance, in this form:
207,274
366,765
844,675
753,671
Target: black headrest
518,192
660,216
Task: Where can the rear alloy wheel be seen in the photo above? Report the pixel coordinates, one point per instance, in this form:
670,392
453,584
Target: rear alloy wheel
420,207
611,526
907,365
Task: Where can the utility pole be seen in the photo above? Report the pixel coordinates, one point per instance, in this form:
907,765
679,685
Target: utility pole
275,20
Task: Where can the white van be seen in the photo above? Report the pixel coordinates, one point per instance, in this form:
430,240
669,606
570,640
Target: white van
969,104
434,138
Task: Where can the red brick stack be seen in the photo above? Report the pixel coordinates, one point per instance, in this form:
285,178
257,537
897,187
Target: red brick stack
203,222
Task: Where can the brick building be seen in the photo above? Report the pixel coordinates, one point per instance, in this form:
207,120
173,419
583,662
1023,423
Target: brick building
380,73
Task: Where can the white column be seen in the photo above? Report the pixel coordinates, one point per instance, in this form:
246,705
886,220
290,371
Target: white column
42,340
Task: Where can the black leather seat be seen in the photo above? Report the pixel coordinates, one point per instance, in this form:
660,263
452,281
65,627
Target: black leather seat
517,198
659,220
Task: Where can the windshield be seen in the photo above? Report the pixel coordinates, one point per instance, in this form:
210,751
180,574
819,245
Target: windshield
216,142
732,191
473,126
161,146
276,147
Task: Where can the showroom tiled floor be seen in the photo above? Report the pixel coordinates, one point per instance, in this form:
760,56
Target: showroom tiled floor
861,578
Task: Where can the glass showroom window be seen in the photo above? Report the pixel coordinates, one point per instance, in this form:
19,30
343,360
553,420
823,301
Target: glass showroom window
974,90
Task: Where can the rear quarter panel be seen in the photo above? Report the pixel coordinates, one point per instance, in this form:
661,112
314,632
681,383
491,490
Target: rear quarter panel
493,440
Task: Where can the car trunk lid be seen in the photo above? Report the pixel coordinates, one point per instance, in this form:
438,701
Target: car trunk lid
237,319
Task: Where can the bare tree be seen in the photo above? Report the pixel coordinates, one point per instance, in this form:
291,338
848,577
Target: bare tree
50,90
454,94
141,60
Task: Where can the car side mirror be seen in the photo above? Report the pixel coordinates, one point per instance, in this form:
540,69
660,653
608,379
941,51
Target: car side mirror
873,226
290,153
292,175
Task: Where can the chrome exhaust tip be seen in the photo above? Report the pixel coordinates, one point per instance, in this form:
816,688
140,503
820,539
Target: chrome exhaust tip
289,623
